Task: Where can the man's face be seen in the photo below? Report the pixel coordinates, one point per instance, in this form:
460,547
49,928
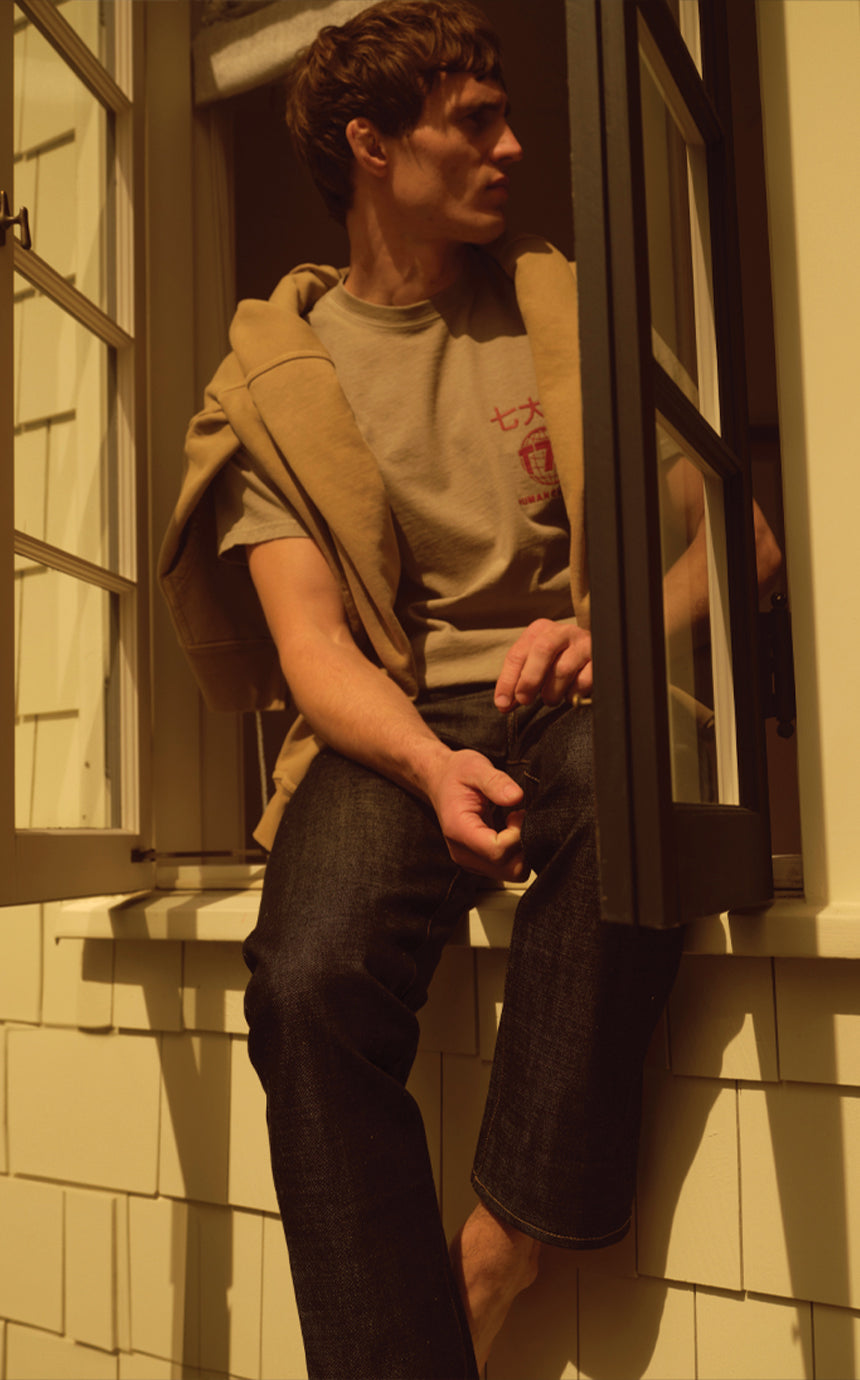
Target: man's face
449,174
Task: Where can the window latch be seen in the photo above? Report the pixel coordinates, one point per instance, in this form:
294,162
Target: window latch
142,855
776,662
7,220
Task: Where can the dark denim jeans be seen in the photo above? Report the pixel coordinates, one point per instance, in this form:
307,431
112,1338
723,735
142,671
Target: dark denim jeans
359,899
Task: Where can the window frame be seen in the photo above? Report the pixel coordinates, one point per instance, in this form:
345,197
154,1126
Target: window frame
662,862
50,863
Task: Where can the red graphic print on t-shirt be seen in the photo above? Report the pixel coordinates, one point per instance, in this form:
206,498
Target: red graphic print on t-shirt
535,450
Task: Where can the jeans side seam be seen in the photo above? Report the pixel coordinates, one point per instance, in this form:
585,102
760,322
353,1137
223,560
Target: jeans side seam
444,902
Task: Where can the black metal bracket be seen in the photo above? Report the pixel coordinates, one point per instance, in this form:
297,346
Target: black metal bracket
777,665
7,220
142,855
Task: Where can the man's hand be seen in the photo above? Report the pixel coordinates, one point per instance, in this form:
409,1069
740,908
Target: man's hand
549,659
466,792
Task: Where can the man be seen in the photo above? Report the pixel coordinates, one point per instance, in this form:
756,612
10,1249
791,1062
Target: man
420,564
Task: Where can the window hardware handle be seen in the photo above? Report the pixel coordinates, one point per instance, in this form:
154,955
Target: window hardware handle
7,220
777,665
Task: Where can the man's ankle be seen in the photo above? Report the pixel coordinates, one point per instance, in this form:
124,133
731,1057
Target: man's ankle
493,1262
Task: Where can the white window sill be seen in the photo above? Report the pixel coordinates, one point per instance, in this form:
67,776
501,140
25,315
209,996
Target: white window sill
790,927
221,904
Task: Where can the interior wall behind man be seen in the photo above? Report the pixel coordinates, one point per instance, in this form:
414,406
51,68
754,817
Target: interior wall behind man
281,220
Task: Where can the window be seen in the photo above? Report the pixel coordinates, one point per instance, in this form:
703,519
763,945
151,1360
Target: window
682,803
71,410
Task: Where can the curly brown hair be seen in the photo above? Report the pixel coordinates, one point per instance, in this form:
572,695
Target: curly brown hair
380,65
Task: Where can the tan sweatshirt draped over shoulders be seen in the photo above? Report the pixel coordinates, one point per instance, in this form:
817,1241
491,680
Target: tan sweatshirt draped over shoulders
277,396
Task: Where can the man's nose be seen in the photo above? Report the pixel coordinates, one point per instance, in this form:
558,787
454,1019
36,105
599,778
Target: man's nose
508,149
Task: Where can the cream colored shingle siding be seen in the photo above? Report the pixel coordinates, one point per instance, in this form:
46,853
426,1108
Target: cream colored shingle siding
139,1222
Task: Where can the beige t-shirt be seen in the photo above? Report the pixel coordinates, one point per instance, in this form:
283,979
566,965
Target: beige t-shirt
444,394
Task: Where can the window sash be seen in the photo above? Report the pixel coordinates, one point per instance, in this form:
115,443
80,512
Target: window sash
41,864
661,862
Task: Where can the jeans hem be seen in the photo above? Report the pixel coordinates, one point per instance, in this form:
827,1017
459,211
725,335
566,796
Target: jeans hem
550,1238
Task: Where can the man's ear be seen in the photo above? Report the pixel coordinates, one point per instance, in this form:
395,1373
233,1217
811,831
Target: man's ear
368,146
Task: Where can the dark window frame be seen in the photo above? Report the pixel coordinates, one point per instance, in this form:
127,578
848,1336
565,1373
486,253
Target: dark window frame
662,863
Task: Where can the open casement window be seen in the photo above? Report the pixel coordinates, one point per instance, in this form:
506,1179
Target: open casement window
73,619
681,788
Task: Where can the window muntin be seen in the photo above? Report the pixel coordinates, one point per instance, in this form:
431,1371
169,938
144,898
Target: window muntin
94,24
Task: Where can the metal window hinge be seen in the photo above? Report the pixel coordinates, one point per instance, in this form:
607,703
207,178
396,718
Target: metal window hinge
776,663
7,220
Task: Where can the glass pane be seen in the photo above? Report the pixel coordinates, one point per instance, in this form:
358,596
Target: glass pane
686,14
63,141
93,21
679,248
698,638
66,702
65,432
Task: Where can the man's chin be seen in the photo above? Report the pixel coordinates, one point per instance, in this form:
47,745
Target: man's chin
489,233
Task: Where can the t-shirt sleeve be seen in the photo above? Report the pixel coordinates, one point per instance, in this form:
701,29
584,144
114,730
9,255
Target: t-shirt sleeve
248,510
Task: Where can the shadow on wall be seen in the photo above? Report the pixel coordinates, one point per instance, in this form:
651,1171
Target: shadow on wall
744,1184
743,1203
181,1246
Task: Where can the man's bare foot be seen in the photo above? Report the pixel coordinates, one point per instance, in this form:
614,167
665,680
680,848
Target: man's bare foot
492,1264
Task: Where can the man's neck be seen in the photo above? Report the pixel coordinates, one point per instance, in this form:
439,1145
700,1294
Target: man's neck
401,273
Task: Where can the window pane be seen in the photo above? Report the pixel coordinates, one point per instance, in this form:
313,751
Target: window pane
93,21
686,15
66,702
65,432
698,642
679,250
63,145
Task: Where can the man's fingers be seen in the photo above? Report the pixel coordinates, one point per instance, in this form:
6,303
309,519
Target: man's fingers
494,853
571,675
475,832
526,664
508,680
466,797
499,788
547,659
583,684
502,859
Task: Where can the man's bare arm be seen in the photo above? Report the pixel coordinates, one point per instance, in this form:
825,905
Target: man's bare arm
553,660
685,585
356,709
